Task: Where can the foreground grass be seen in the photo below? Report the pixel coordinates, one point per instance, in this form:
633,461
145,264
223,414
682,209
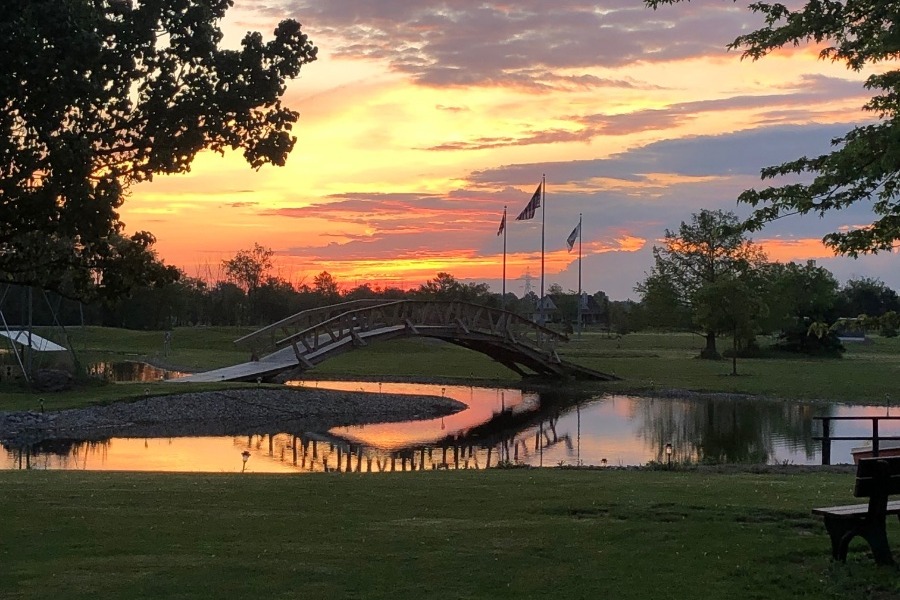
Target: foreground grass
496,534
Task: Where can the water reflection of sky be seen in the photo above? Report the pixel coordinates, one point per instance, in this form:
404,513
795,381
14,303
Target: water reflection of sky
482,403
611,430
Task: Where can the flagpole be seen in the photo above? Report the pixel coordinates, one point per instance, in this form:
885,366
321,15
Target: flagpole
543,221
503,299
580,234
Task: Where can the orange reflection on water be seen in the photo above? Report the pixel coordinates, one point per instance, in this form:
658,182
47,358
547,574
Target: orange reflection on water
502,425
482,403
197,454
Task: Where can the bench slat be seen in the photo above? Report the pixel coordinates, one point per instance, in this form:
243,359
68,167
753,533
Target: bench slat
866,486
854,510
878,474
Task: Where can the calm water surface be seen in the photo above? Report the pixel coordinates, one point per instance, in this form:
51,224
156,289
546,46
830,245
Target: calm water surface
499,426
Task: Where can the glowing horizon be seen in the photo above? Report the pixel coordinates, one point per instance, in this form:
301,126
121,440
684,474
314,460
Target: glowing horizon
409,148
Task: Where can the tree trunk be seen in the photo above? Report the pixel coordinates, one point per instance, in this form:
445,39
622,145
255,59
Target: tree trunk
710,351
734,349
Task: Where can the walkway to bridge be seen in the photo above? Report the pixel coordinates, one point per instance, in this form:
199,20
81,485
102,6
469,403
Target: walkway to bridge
288,348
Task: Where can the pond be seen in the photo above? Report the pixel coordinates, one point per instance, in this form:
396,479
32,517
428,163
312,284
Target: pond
129,371
500,426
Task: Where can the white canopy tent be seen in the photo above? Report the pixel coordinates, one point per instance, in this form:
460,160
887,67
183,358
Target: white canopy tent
33,341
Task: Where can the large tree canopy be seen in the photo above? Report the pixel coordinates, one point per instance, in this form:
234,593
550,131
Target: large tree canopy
865,163
701,254
98,95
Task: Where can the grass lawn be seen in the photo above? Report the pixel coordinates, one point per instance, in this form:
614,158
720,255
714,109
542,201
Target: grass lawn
514,533
502,533
646,362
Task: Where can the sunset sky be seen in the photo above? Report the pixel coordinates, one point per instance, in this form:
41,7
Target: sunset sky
421,120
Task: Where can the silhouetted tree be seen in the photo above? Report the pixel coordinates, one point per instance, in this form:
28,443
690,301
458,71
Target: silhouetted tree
864,167
98,96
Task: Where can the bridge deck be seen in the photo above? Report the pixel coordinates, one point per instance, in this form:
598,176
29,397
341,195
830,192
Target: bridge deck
278,362
511,340
249,371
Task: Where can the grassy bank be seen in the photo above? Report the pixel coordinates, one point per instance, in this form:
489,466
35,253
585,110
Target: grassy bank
458,534
646,362
498,534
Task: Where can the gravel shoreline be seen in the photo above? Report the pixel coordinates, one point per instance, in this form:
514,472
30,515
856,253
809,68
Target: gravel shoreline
225,412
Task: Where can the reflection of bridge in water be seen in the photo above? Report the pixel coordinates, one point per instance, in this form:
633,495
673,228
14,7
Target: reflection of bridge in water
517,429
511,437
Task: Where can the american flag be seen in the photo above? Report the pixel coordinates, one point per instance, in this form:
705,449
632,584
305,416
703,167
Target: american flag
573,236
533,205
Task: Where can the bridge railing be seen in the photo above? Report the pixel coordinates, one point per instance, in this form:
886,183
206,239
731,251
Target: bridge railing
423,317
265,338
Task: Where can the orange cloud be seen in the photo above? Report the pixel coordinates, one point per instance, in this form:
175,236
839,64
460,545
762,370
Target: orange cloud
794,250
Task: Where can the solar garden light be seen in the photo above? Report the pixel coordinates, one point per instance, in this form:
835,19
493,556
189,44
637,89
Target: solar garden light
669,451
245,456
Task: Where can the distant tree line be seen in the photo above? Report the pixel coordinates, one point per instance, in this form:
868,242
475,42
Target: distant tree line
708,278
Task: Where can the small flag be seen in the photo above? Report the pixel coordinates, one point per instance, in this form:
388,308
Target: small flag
533,205
573,236
502,222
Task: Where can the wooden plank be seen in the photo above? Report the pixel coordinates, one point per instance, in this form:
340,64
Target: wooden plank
867,486
854,510
296,348
877,475
331,333
874,466
476,318
462,326
357,341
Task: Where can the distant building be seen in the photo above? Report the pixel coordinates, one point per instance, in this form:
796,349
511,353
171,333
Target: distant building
550,311
591,311
851,330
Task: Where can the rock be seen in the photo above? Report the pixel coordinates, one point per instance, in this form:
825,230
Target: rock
226,412
52,380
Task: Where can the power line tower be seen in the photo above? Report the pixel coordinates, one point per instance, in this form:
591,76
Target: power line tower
528,278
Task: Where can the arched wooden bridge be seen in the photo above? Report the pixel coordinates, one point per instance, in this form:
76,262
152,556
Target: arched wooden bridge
293,345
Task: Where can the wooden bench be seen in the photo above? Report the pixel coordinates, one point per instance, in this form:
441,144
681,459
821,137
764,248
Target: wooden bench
876,479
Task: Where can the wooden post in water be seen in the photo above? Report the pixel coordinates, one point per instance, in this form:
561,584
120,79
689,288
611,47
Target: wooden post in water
826,441
874,436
